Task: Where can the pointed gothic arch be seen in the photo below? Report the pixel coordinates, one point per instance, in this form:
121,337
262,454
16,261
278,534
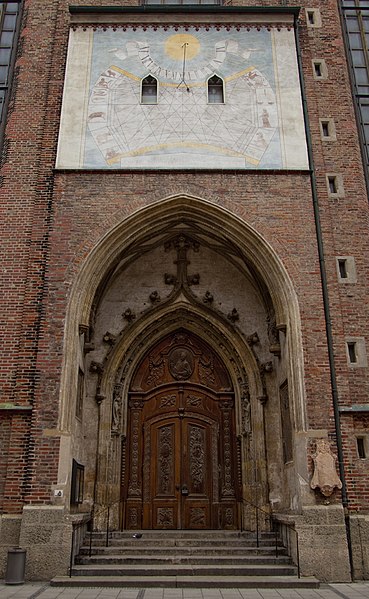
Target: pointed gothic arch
144,231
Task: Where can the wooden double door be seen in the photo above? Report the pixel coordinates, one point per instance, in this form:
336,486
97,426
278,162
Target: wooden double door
181,456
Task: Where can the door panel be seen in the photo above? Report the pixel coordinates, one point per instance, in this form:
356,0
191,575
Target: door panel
165,474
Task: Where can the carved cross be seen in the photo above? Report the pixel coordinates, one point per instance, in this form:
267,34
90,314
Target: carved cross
182,244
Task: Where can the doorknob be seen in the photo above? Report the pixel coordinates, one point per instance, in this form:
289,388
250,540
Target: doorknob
184,490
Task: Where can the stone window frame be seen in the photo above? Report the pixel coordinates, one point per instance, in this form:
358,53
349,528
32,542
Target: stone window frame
338,181
350,270
331,129
317,18
321,64
365,440
360,352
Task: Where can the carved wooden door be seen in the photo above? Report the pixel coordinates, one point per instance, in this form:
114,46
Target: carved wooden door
183,467
182,460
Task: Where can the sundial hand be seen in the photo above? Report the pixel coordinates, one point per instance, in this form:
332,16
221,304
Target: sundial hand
184,46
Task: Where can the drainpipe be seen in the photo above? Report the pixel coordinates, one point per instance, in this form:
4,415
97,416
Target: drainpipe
328,323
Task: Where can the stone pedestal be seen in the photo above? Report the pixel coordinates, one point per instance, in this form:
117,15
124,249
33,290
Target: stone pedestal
323,543
46,533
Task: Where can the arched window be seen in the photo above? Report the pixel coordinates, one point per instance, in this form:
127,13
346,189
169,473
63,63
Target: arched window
215,90
149,90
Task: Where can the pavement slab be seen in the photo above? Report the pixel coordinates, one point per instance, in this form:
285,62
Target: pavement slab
358,590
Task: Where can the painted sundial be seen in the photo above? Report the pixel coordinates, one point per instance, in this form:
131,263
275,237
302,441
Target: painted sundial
258,125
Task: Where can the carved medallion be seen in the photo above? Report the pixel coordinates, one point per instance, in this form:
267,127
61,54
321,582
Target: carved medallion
181,364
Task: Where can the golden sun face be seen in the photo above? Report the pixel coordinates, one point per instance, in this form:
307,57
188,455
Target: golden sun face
174,46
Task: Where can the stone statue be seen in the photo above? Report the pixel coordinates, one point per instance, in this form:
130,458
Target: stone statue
325,476
116,409
246,409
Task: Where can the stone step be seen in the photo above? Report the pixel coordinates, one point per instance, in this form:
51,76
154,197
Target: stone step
184,570
142,549
102,560
197,582
169,542
186,534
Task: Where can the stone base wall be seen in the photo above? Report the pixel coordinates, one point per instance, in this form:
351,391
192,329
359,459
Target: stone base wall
10,526
46,534
323,543
360,546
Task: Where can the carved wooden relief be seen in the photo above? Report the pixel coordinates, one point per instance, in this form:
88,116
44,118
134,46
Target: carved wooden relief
165,460
147,463
227,490
228,516
181,356
134,488
194,401
167,401
156,370
197,457
133,520
164,517
206,370
197,517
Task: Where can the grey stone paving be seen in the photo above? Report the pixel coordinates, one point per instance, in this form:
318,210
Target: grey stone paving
44,591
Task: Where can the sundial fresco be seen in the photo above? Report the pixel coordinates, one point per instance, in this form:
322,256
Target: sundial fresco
250,129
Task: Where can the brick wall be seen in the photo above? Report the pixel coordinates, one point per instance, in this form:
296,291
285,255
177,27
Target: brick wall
50,221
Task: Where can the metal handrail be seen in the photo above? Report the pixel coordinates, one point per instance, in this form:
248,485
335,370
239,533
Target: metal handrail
257,510
101,511
273,520
85,522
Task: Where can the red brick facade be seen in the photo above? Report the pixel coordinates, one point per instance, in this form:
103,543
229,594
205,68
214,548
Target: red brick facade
51,221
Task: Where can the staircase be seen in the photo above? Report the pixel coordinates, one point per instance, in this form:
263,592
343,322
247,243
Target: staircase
182,559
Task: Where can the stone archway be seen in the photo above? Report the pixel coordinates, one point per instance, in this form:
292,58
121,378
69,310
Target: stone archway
184,263
182,469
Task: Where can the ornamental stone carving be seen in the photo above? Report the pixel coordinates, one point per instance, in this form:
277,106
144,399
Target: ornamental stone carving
325,477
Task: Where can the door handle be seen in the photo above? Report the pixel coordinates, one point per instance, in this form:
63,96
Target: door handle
184,490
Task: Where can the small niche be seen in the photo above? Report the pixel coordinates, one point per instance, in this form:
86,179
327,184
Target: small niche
320,70
352,353
332,184
342,268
